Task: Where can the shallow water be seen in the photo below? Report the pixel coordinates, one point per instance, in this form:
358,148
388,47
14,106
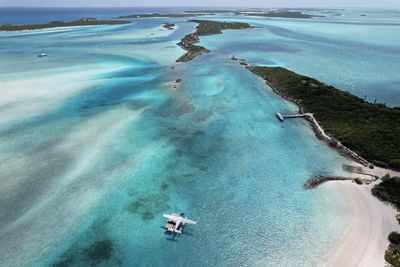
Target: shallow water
96,145
357,54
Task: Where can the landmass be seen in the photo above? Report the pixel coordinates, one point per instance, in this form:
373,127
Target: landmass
392,254
205,27
389,191
371,130
219,11
54,24
281,14
166,15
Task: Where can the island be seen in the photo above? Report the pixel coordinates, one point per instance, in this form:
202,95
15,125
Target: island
55,24
166,15
368,132
205,27
281,14
169,26
371,130
216,11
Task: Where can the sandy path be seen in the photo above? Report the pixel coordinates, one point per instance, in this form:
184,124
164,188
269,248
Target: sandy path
365,240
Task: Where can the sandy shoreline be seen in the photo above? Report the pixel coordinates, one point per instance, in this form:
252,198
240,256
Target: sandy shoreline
365,240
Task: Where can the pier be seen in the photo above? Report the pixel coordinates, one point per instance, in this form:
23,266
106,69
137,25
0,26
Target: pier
310,117
320,133
282,117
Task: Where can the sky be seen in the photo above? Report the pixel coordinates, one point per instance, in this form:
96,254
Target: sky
203,3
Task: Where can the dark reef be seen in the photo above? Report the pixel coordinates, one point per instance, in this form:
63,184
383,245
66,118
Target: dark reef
100,250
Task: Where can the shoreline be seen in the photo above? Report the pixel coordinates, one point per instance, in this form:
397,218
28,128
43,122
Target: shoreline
204,27
7,27
365,127
59,28
364,241
317,128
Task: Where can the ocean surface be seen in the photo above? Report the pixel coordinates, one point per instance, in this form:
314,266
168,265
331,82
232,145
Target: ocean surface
96,143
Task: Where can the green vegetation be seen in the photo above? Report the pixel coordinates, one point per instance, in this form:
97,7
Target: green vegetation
211,11
388,190
54,24
392,254
205,27
394,238
281,14
167,15
371,130
208,27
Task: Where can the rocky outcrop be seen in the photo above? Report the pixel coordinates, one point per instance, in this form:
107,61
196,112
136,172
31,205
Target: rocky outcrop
320,179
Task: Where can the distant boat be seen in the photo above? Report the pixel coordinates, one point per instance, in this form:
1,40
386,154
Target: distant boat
42,55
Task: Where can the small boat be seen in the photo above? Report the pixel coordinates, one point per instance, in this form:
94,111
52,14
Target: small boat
42,55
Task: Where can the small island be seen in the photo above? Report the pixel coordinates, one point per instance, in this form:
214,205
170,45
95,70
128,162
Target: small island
169,26
370,130
55,24
281,14
205,27
216,11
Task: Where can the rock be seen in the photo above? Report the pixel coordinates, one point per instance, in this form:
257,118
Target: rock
320,179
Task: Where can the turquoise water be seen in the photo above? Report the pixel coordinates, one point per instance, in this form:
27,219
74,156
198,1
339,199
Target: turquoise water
96,145
357,54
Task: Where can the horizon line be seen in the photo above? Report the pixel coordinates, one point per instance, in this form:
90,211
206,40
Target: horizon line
211,7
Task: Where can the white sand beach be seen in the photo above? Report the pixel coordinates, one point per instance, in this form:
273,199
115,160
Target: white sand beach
365,240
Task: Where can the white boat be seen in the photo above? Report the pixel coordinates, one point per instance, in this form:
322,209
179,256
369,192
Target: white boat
42,55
